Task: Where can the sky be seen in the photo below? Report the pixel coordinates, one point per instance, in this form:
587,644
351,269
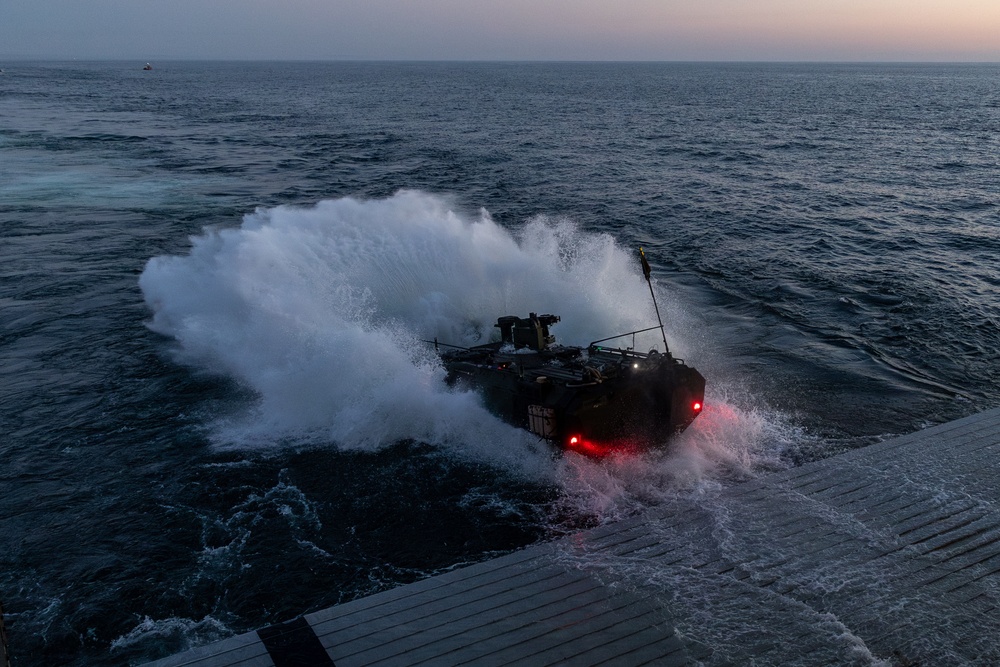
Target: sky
670,30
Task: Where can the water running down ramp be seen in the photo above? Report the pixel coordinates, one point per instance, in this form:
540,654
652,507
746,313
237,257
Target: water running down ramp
887,555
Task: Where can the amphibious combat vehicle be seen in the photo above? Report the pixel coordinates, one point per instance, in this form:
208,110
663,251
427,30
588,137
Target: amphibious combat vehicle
593,399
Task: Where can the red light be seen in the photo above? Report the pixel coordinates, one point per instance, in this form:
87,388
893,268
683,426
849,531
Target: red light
586,447
696,406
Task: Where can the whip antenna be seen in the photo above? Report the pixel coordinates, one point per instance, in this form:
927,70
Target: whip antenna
646,271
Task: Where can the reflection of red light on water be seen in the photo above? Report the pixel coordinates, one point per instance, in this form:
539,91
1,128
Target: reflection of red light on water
580,445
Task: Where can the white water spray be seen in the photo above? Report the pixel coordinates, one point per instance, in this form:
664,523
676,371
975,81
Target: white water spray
321,312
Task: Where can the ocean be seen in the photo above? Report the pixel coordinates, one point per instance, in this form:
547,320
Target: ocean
218,411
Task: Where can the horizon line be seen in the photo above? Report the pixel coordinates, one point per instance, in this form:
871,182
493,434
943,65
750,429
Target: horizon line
678,61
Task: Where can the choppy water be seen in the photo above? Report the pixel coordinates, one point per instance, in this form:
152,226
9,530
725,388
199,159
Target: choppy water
217,412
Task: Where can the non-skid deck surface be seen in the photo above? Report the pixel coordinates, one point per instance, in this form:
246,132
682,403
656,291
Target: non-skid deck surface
889,553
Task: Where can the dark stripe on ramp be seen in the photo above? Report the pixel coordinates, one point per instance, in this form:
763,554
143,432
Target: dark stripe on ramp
294,644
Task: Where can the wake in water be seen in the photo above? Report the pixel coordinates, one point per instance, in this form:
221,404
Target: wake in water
322,313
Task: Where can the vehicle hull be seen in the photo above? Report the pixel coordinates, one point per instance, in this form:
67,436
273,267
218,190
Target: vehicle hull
595,398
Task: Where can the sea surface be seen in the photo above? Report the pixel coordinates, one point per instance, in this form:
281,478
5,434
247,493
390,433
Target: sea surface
215,279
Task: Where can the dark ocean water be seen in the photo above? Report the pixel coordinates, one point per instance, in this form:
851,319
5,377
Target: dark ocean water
216,411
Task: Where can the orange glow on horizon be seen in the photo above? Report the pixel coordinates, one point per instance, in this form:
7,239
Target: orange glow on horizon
656,30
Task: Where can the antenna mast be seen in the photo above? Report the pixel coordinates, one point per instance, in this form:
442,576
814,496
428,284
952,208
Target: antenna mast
646,272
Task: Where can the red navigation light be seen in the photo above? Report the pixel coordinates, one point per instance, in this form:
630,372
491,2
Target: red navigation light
696,406
575,439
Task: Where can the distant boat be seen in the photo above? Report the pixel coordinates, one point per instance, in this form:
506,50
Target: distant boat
148,67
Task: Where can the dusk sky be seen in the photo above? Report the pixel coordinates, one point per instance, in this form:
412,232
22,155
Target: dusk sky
783,30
